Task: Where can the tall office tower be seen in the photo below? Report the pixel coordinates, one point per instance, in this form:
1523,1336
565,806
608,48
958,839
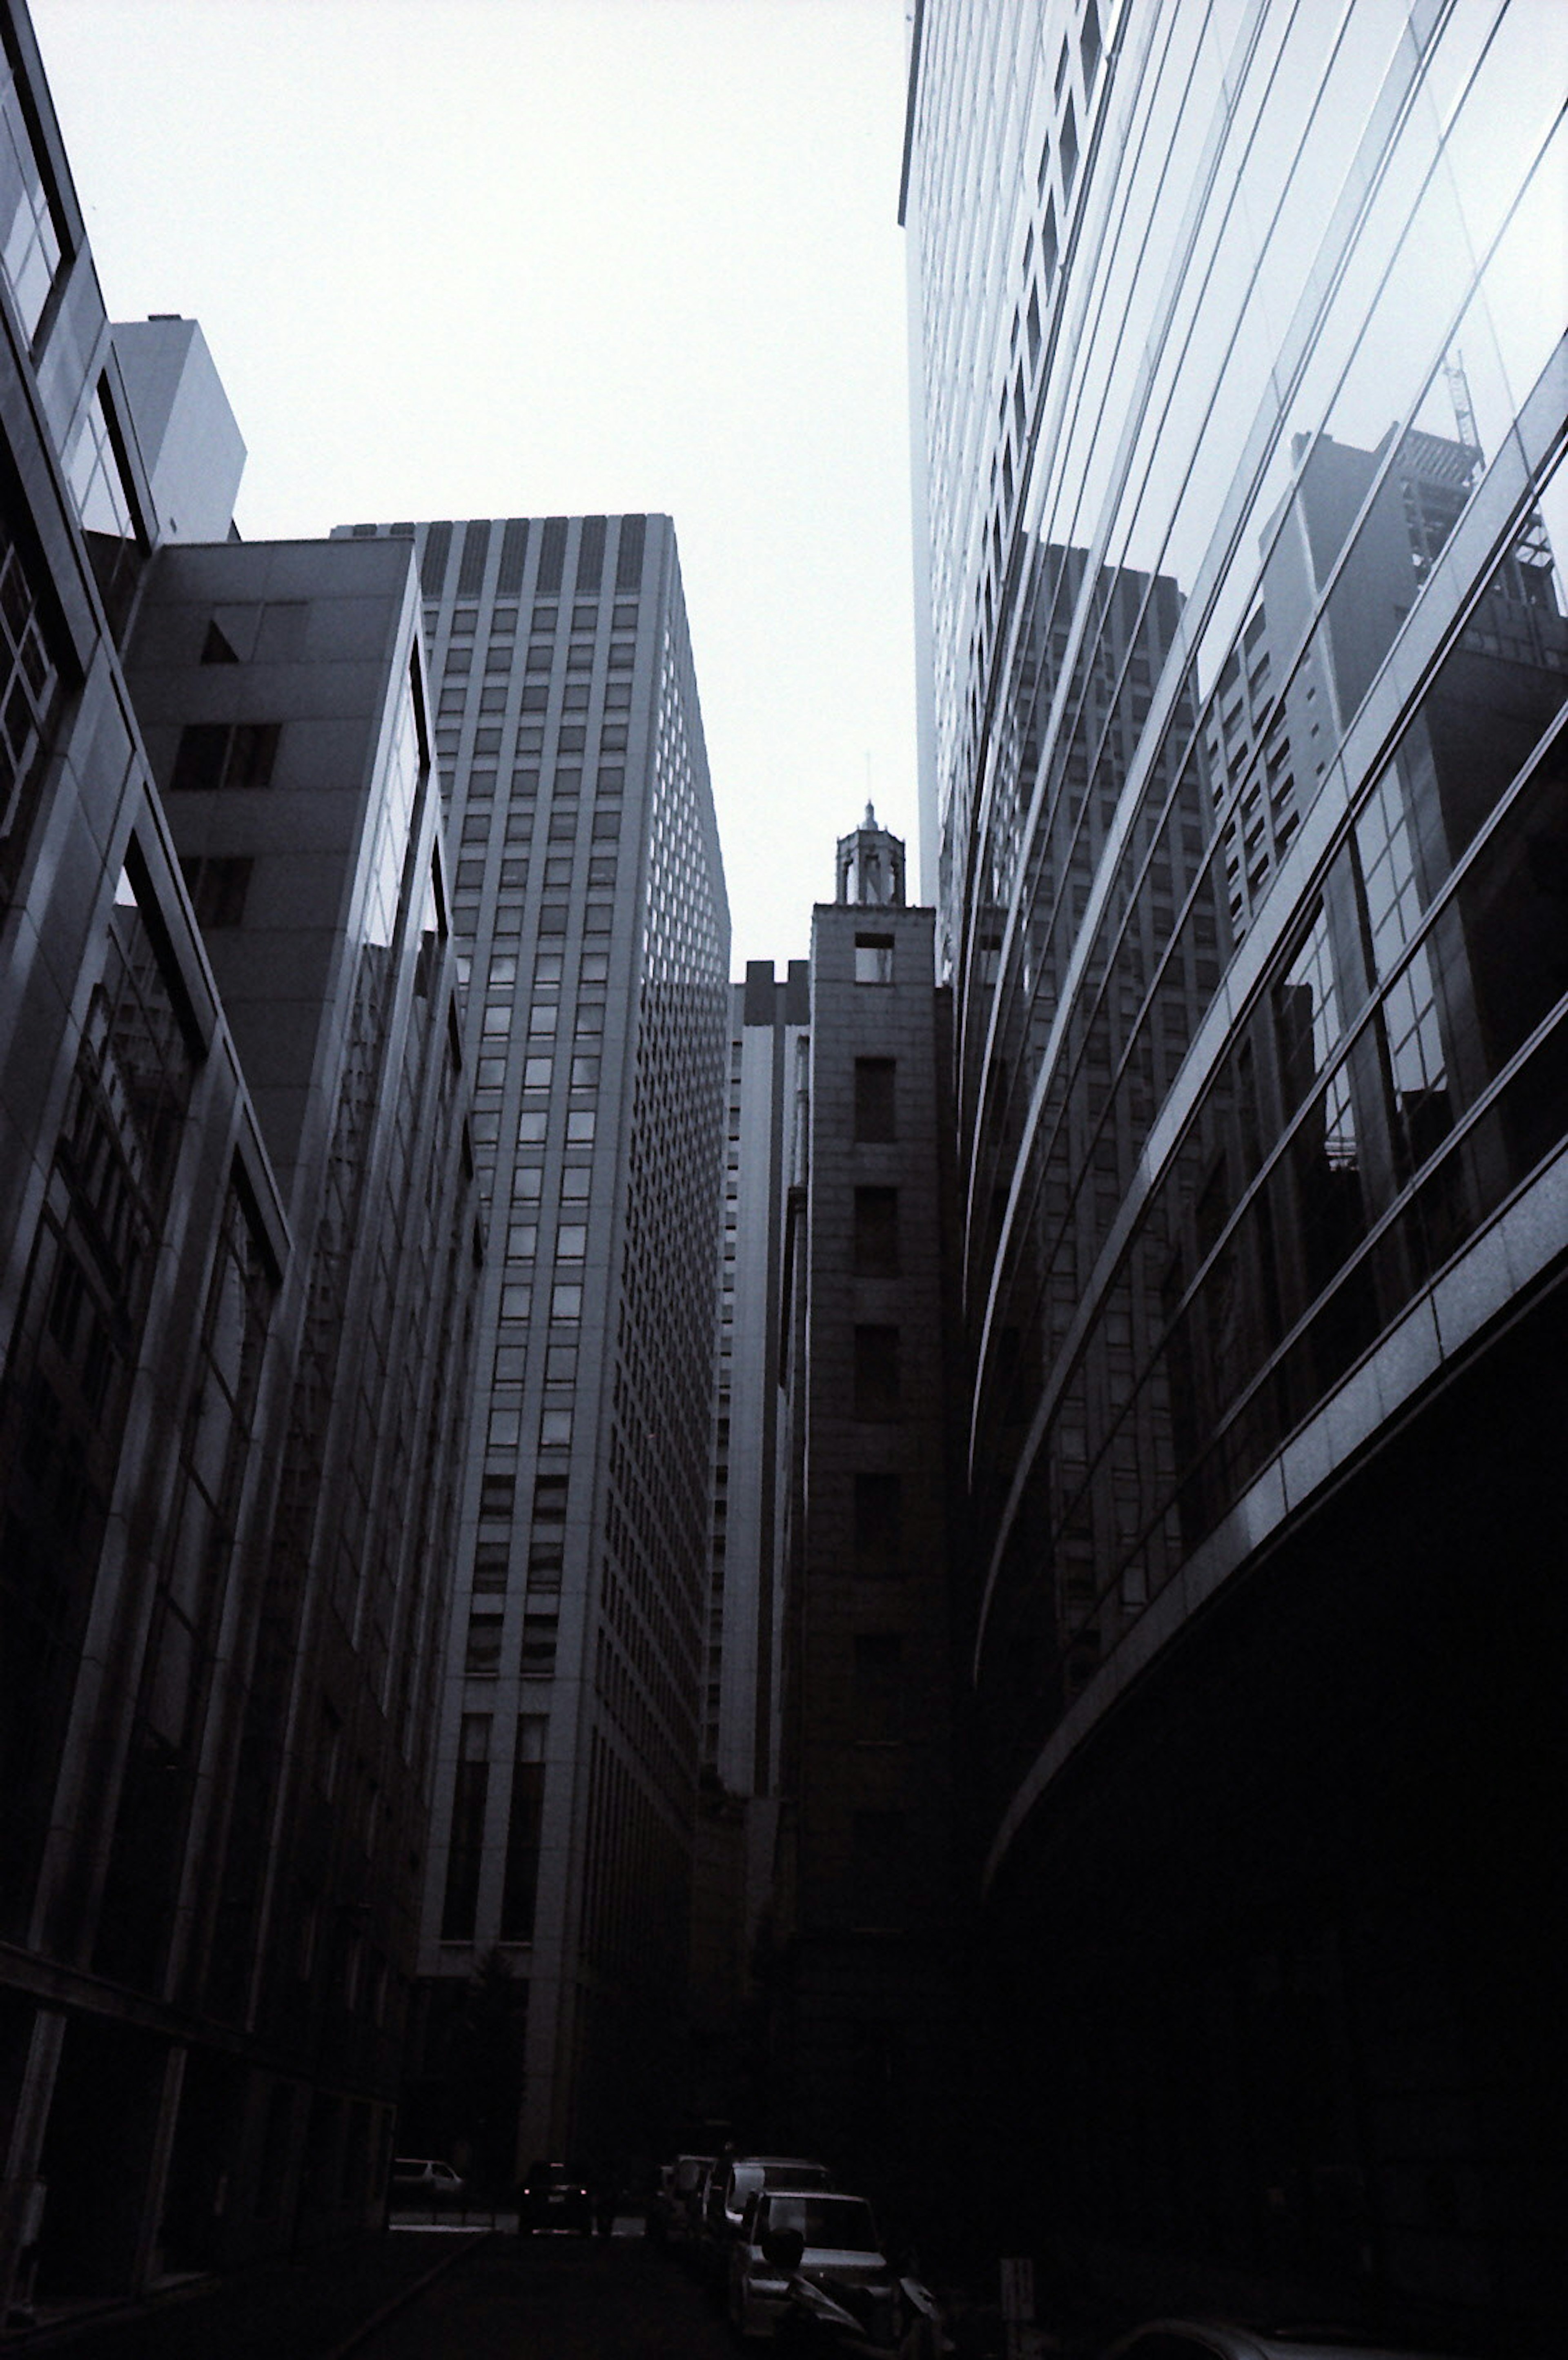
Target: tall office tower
864,2031
738,1814
1240,400
590,910
232,1168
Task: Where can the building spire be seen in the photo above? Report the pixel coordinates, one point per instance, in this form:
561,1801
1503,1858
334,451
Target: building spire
870,865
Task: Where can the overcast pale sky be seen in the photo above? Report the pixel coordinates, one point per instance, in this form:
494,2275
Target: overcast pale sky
499,257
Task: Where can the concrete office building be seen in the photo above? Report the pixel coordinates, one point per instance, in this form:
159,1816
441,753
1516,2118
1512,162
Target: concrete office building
1246,828
591,911
863,1939
219,1565
742,1725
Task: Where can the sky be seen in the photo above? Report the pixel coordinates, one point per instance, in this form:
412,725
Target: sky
527,258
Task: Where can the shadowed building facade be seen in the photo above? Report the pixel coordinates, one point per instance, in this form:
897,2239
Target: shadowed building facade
232,1171
232,1167
1244,663
860,1962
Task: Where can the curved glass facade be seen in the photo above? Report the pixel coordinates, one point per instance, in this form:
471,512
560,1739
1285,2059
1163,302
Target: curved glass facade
1240,334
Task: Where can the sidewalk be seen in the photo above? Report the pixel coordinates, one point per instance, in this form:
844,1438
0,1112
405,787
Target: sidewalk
313,2308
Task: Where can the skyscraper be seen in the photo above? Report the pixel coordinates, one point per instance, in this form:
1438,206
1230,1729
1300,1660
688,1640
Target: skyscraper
591,911
1240,403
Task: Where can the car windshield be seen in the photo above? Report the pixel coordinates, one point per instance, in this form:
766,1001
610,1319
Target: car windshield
794,2175
841,2223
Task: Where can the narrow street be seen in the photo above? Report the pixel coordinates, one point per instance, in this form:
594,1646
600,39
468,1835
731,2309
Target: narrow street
558,2299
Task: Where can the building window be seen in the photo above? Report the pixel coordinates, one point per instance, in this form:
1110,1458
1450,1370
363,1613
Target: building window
879,1685
29,684
876,1372
874,958
879,1526
31,252
465,1850
524,1825
539,1631
874,1099
213,754
491,1560
218,889
874,1247
880,1841
483,1659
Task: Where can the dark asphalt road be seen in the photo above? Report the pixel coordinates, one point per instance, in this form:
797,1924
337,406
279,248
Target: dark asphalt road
558,2299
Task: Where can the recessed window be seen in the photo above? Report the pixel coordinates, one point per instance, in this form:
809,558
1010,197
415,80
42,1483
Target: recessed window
874,958
876,1372
218,889
214,755
879,1526
874,1111
875,1237
483,1657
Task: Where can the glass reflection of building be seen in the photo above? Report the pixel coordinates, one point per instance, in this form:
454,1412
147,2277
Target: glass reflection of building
1241,408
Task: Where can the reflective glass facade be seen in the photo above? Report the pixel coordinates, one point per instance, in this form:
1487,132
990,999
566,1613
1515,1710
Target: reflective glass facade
1240,411
1243,411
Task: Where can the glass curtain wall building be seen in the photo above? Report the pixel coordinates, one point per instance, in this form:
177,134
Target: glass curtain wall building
1240,400
589,908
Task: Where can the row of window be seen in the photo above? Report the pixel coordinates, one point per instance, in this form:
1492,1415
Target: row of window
585,616
572,737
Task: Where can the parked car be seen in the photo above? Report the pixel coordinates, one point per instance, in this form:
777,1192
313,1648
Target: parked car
670,2218
555,2197
425,2179
1206,2339
826,2242
730,2186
